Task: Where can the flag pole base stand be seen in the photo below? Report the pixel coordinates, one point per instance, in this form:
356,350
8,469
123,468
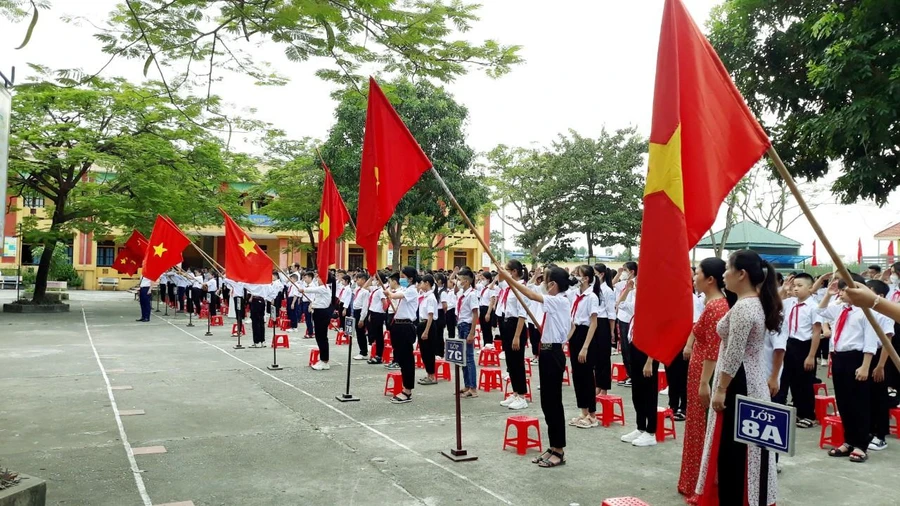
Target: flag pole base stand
459,456
189,325
208,333
238,347
346,398
273,367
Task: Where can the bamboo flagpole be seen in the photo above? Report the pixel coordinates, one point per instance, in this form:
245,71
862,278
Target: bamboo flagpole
838,263
484,245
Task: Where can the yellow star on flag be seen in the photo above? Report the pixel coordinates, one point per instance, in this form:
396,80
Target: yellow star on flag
377,180
159,250
664,173
124,261
325,226
248,246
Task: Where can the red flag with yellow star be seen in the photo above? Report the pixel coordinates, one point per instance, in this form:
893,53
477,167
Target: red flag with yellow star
166,244
703,140
131,255
245,261
392,162
333,216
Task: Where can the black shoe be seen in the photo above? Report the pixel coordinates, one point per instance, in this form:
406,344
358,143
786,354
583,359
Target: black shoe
141,320
679,416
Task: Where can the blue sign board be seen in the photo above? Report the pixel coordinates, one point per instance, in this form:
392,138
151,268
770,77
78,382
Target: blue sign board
765,424
455,351
350,327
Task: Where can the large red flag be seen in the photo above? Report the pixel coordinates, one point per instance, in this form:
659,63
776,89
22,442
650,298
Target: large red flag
815,260
131,255
245,261
392,162
333,216
703,140
167,242
137,245
890,252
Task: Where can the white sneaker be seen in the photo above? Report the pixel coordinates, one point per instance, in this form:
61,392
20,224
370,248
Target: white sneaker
502,355
509,400
877,444
645,439
519,403
631,436
321,366
664,391
505,376
360,357
489,346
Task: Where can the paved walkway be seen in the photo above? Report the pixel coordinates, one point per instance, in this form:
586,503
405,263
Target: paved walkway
89,397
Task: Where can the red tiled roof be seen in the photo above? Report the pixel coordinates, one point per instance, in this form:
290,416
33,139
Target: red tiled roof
892,232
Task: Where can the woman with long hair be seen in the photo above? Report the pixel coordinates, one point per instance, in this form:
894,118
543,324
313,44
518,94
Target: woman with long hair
606,329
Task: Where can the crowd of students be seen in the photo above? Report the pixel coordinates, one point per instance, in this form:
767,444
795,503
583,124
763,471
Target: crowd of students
755,334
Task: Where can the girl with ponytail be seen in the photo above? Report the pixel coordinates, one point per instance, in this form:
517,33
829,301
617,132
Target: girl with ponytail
583,347
606,328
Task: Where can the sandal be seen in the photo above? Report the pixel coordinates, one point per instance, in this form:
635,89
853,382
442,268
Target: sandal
859,458
469,395
547,463
840,451
427,381
805,423
574,422
540,458
401,400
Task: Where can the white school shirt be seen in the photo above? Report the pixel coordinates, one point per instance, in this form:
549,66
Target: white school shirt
624,313
774,341
856,335
502,297
894,293
485,294
180,281
449,297
557,320
320,296
375,298
537,309
145,282
360,297
513,308
409,304
197,281
800,318
465,304
627,305
608,301
345,295
164,278
584,305
699,305
427,306
212,286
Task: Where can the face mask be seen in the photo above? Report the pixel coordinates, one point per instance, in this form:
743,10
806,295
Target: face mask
895,279
404,282
625,276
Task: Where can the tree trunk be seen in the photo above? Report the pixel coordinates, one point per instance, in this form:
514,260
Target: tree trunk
590,248
395,233
43,272
314,253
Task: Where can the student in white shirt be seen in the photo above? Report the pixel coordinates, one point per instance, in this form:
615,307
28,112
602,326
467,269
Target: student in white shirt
583,347
880,404
515,339
322,309
212,291
644,379
403,329
196,289
163,287
144,299
360,310
606,324
487,300
375,315
853,344
258,295
552,360
344,297
536,283
628,272
803,328
442,302
449,298
427,328
467,315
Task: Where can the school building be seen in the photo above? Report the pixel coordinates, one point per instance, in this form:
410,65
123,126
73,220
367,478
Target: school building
93,256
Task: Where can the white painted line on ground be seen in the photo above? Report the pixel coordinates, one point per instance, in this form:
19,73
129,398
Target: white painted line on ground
138,479
348,417
149,450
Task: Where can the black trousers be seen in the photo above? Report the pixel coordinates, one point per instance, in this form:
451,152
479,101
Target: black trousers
257,318
427,344
213,304
189,297
880,402
321,318
515,359
439,325
239,308
403,338
360,334
534,335
583,374
487,332
376,333
852,398
451,323
278,298
163,292
626,347
603,366
796,379
644,391
195,296
891,375
180,298
551,363
676,375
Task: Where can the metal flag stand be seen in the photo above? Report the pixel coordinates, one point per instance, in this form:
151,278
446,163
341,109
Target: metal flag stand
274,366
455,353
349,328
240,322
208,313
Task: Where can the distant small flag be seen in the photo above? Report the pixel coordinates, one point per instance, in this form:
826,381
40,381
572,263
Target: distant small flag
859,252
815,261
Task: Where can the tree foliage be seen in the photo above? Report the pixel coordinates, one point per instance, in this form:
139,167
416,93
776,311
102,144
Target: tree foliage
437,122
825,76
112,154
420,38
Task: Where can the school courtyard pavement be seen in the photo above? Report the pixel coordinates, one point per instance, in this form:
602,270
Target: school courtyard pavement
114,412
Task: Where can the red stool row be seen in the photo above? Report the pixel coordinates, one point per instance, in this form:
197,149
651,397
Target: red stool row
836,437
664,415
608,414
507,393
521,441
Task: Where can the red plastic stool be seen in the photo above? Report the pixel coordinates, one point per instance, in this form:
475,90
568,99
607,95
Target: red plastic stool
313,356
521,441
334,324
281,341
204,313
528,366
477,341
284,305
507,393
624,501
342,338
663,431
836,438
234,329
820,387
490,379
388,354
489,358
895,419
823,402
302,318
282,313
216,321
566,376
498,346
441,369
418,356
608,415
663,382
271,323
619,373
372,350
285,324
387,337
393,384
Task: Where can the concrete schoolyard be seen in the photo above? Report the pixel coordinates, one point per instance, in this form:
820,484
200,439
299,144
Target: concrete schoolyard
110,411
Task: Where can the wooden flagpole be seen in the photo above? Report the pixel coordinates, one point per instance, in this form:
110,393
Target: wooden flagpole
838,263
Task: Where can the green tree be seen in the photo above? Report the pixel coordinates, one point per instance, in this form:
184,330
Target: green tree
825,77
605,203
436,121
423,38
112,154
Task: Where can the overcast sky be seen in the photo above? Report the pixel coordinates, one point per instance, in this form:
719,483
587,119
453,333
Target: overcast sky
589,64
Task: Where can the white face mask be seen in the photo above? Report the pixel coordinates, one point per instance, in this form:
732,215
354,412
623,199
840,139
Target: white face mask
625,276
895,279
